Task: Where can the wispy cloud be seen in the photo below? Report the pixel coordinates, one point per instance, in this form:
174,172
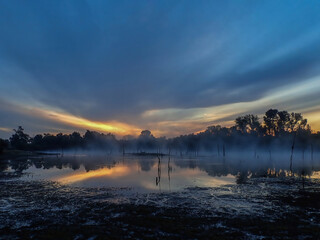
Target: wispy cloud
115,65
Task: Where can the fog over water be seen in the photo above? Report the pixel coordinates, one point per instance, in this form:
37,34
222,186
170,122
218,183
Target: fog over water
151,173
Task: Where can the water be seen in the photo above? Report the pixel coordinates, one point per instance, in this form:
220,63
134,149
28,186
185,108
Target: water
124,197
151,173
142,174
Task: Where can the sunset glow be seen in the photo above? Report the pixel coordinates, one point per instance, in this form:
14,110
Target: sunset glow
73,121
114,172
174,77
159,119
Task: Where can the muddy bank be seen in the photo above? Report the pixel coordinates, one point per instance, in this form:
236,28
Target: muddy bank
261,208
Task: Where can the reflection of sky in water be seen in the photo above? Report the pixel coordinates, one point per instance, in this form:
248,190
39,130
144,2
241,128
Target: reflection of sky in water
130,172
143,173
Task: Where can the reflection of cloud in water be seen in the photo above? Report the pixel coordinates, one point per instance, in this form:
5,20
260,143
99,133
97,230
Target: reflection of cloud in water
217,181
114,172
183,177
316,175
140,173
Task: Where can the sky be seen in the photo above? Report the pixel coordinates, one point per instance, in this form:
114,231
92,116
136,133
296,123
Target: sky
174,67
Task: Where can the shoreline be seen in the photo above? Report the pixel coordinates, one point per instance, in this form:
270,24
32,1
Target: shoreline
15,154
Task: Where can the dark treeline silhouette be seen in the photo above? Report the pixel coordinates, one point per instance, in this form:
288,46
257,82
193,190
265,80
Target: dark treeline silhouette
3,144
277,130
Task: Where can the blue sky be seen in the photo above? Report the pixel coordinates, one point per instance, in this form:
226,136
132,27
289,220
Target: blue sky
170,66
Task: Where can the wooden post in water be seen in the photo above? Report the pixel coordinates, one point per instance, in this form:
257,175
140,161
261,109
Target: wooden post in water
312,156
158,178
303,178
169,171
292,148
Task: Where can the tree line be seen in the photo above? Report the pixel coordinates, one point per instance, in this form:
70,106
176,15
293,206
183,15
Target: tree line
278,129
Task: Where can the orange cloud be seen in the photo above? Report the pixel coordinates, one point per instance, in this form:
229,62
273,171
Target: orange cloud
59,116
112,126
175,121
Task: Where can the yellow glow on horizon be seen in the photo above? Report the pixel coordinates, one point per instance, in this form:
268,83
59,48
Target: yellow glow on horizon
115,127
172,122
114,172
197,119
313,119
57,115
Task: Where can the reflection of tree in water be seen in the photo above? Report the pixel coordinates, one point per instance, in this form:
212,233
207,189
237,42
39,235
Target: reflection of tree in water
4,166
242,177
214,169
75,165
192,164
94,163
242,169
38,163
19,166
146,164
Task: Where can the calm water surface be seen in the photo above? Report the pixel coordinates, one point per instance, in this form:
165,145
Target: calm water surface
139,173
97,196
145,173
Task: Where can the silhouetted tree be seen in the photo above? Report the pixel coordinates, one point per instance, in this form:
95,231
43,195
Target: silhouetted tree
248,132
146,141
279,122
19,140
248,123
283,122
270,121
297,122
37,142
145,134
75,139
3,145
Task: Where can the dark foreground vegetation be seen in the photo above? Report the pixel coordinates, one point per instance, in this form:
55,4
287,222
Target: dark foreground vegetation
277,130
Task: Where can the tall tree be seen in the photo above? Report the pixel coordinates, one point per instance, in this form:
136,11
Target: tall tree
248,123
283,122
270,121
3,145
19,139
